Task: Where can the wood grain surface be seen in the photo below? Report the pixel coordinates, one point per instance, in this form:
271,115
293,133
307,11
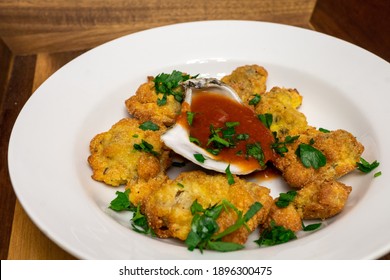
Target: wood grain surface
38,37
51,26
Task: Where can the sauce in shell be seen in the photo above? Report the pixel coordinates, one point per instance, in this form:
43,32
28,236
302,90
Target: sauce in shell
216,110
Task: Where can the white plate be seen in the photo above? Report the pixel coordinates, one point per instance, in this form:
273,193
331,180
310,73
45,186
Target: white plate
343,86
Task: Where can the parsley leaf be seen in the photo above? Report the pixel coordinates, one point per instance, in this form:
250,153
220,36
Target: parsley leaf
140,224
254,150
285,199
199,157
190,117
145,147
149,125
324,130
194,140
281,147
169,84
204,227
255,100
366,167
311,227
229,175
310,156
275,235
266,119
139,221
121,202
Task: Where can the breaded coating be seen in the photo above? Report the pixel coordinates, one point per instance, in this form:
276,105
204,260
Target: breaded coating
247,81
143,105
340,148
142,189
168,207
282,103
114,159
287,217
321,200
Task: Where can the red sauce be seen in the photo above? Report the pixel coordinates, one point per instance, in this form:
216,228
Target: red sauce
216,110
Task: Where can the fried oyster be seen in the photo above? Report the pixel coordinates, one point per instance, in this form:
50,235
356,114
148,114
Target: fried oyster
340,148
144,105
247,81
167,207
115,160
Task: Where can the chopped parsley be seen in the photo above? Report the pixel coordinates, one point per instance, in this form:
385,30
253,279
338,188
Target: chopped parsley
311,227
310,156
285,199
204,228
190,117
281,147
254,150
149,125
169,84
194,140
366,167
121,202
275,235
255,100
139,222
229,175
266,119
200,158
323,130
145,147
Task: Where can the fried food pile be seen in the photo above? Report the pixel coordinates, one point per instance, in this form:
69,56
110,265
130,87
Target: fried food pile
131,153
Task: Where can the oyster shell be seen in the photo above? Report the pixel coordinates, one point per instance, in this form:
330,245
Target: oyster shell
178,139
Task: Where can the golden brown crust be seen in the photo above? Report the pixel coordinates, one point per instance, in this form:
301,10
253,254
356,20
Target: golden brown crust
143,106
340,148
247,81
168,207
287,217
115,161
321,200
282,104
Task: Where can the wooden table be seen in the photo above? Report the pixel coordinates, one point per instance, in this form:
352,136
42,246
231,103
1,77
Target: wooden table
36,40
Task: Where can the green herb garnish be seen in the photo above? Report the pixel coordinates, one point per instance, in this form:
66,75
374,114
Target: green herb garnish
121,202
229,175
145,147
323,130
285,199
365,166
266,119
254,150
194,140
149,125
310,156
169,84
139,222
255,100
199,157
311,227
275,235
281,147
190,117
204,227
